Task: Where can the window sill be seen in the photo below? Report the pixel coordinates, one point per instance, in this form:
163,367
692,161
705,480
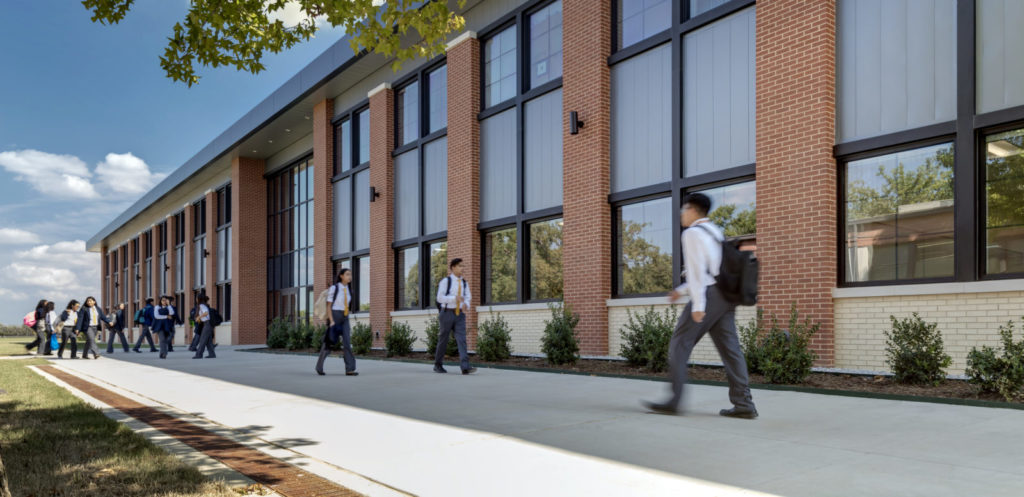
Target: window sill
1015,285
413,312
638,301
539,306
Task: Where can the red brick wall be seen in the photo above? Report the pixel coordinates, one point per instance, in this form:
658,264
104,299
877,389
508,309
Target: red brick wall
248,251
323,198
211,248
464,169
189,271
586,159
796,173
382,220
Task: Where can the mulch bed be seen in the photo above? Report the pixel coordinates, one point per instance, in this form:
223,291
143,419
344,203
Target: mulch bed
882,385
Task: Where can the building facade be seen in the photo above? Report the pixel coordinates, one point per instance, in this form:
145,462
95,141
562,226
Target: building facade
871,152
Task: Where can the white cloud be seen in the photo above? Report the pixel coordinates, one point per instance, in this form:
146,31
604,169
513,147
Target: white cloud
39,276
126,173
291,14
57,272
64,253
14,236
52,174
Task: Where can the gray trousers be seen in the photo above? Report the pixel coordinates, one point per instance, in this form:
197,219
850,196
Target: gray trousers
340,321
197,333
40,341
449,321
720,322
112,335
90,343
165,342
148,336
206,342
68,333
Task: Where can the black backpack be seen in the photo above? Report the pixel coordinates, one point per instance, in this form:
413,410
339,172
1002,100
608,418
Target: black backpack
138,317
215,318
737,275
448,290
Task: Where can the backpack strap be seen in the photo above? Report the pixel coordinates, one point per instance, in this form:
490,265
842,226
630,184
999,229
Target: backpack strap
708,231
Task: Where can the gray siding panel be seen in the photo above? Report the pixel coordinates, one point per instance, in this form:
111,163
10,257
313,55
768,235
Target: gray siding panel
1000,64
407,195
342,216
718,95
435,186
896,67
543,159
362,216
498,160
641,145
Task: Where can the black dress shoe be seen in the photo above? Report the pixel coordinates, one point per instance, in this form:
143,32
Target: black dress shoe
736,412
321,373
137,351
661,408
197,357
351,373
154,350
469,371
440,369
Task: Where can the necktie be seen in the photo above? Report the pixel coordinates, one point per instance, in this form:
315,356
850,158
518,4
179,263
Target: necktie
458,295
344,298
92,313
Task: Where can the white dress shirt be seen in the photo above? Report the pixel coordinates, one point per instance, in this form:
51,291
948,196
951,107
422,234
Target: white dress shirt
448,301
204,313
94,317
72,319
702,255
336,303
168,315
51,319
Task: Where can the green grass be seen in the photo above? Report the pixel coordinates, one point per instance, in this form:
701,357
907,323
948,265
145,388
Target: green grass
53,444
13,345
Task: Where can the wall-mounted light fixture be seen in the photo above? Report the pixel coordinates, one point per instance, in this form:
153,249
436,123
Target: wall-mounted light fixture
574,123
373,193
206,253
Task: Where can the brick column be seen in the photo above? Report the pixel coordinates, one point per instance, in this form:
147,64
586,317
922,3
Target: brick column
189,272
211,247
382,218
323,199
796,172
464,166
248,251
586,166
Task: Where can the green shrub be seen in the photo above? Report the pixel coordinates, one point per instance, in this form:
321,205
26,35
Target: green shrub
399,339
300,337
432,332
278,332
362,339
646,337
492,344
781,355
1000,374
318,337
914,351
559,342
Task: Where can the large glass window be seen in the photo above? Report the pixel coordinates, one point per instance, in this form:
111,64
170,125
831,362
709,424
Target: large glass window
224,252
641,140
899,215
546,44
734,208
698,7
199,245
351,218
407,106
1004,202
500,67
543,154
895,67
438,269
718,95
644,247
407,195
363,137
437,100
290,242
343,146
1000,71
640,19
409,278
499,159
546,260
500,267
363,288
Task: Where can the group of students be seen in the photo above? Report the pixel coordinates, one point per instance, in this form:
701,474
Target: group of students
89,320
453,301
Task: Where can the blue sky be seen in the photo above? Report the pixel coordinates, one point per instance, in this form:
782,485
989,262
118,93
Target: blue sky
89,122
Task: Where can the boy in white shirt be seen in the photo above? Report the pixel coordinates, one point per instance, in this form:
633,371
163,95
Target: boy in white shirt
453,301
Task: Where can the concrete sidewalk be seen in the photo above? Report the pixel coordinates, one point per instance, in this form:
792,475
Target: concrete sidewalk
524,433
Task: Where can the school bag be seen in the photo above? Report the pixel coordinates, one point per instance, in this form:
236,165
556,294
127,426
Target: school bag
737,275
448,290
29,319
138,317
320,306
215,318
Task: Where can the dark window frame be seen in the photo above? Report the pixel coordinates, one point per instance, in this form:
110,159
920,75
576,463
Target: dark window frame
351,117
967,133
224,223
281,200
199,229
352,263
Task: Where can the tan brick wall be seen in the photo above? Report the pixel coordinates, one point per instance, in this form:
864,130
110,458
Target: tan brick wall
586,163
527,327
796,173
704,351
248,251
966,320
323,198
382,225
464,167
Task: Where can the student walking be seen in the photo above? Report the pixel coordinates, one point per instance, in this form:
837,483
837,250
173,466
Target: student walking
203,317
147,327
339,300
197,327
51,320
89,319
69,326
453,301
707,312
174,323
116,329
39,328
163,318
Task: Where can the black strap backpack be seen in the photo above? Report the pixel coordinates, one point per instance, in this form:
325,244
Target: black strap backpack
448,291
738,273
